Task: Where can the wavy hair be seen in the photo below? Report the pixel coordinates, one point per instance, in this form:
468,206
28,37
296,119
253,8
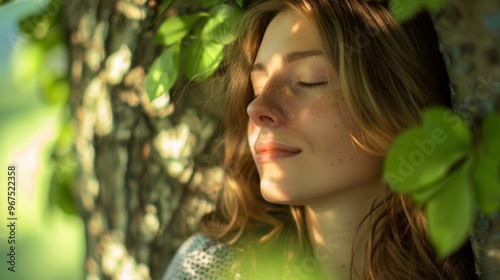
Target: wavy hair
389,72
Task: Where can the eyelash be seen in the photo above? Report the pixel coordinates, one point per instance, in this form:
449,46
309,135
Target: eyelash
310,86
305,85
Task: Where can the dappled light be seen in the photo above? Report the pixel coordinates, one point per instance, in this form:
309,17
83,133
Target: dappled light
270,184
129,126
295,27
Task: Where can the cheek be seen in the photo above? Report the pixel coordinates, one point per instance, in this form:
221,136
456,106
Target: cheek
349,122
343,121
333,130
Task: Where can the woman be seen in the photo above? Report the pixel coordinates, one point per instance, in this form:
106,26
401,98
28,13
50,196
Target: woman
317,91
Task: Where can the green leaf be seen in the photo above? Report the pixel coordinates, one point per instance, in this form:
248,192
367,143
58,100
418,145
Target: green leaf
404,9
434,5
168,3
220,26
490,133
165,6
202,59
65,140
64,164
417,160
175,28
60,193
399,172
421,196
446,127
449,212
422,156
57,91
240,3
163,74
486,180
27,65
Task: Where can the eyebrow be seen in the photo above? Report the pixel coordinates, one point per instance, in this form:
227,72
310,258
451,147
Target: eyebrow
289,58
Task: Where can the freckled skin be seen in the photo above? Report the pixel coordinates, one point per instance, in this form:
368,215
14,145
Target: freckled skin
314,120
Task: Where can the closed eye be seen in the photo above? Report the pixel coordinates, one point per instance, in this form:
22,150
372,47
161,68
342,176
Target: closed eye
311,85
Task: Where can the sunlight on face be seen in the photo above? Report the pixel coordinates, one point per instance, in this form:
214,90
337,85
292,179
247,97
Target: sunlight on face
299,125
295,27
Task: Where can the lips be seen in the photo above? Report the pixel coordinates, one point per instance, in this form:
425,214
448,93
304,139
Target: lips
271,151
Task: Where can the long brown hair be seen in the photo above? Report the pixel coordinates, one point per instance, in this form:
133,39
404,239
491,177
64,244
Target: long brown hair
389,72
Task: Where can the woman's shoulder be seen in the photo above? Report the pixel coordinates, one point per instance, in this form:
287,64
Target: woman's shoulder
201,257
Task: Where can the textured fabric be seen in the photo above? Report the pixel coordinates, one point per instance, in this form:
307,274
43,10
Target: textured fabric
205,258
201,257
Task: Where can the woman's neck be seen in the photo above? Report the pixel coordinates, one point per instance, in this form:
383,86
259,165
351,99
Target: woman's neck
332,223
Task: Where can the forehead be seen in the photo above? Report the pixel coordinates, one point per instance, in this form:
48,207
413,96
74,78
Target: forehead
288,32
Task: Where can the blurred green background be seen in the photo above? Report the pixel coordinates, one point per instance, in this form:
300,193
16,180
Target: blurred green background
49,243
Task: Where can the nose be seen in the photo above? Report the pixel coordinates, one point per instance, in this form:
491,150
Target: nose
267,110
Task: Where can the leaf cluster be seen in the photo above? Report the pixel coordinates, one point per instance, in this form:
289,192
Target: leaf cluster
196,41
446,173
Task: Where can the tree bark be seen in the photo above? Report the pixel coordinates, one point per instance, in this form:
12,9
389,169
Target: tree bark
146,172
470,35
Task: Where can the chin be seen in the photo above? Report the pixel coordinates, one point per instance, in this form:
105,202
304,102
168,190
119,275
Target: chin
275,193
277,200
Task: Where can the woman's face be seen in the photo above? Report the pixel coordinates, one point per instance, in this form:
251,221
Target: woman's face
299,126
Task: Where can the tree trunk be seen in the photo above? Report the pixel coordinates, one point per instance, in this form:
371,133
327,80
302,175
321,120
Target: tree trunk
470,34
146,172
